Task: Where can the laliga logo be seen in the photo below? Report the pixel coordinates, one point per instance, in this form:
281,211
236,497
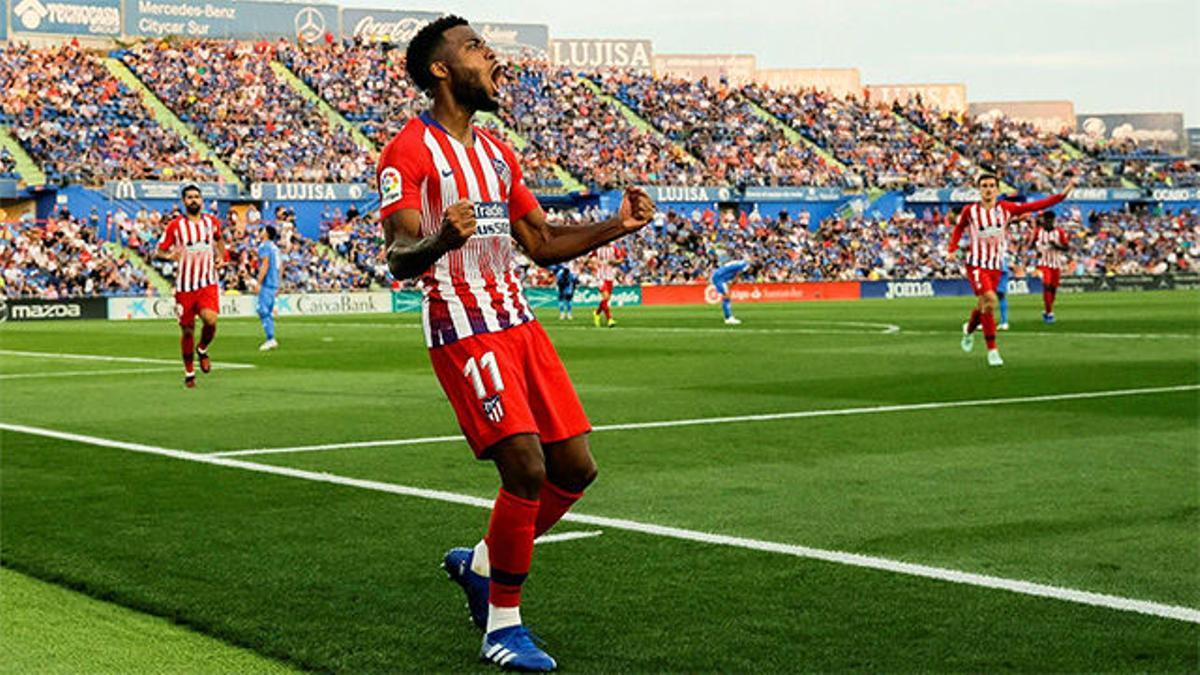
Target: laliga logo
310,24
31,12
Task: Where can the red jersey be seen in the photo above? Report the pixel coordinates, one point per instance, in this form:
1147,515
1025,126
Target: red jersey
607,258
472,290
197,267
989,229
1048,256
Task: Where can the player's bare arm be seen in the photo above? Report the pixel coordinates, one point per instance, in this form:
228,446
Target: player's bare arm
409,254
219,247
548,244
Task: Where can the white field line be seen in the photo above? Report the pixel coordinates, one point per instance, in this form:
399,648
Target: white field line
567,536
88,373
112,359
765,417
1114,602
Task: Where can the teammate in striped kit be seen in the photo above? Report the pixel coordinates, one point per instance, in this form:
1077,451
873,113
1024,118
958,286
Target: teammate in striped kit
987,223
606,271
1051,243
193,242
452,201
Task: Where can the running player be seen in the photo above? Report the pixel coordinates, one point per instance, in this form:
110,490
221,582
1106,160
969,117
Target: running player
606,271
987,220
452,201
193,242
565,279
268,283
722,277
1051,243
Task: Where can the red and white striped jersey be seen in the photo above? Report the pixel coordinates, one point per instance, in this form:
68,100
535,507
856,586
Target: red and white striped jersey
988,229
196,268
1048,256
472,290
607,258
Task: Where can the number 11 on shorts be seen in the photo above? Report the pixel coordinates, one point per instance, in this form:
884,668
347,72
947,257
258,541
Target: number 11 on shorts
472,372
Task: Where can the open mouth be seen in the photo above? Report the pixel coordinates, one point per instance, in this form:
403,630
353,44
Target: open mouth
499,76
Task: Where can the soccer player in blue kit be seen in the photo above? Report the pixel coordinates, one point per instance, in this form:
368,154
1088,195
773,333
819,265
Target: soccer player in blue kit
565,279
721,278
268,283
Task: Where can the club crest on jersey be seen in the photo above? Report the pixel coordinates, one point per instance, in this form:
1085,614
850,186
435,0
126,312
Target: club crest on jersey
493,408
502,170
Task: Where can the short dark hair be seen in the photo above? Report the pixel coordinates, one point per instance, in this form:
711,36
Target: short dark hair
1046,217
272,233
986,176
190,187
421,50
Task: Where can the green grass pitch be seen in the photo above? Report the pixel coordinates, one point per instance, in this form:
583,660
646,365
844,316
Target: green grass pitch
1094,494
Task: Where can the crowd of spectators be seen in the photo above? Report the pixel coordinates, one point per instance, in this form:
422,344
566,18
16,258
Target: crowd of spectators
736,145
63,258
880,148
1020,153
263,128
82,125
8,164
573,126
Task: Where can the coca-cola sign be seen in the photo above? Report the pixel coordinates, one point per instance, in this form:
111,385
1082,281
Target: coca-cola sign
385,25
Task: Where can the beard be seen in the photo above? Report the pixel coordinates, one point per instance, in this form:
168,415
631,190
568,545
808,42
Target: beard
470,92
192,209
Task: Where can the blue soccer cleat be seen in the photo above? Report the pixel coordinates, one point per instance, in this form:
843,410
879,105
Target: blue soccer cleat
457,564
512,648
1047,318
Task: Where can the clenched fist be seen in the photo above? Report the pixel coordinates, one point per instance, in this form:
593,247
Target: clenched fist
458,224
636,210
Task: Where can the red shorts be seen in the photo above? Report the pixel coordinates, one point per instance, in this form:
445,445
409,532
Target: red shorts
508,383
983,280
189,303
1050,277
606,287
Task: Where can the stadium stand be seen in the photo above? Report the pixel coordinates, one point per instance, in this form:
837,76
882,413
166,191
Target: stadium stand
62,258
265,130
82,125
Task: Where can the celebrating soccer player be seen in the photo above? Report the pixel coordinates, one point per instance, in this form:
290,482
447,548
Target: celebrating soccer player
1051,242
987,221
452,201
193,241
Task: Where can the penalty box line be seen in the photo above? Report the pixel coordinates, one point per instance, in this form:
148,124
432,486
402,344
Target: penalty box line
113,359
1114,602
766,417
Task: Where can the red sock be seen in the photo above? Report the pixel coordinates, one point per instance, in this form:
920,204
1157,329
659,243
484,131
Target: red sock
555,501
207,333
510,547
974,322
188,346
989,330
1048,296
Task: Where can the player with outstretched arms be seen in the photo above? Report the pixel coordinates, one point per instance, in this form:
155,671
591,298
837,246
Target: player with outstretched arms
452,202
193,242
1051,243
986,222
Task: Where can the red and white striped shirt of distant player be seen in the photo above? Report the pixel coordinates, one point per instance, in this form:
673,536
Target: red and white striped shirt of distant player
474,289
988,229
607,258
1048,255
197,267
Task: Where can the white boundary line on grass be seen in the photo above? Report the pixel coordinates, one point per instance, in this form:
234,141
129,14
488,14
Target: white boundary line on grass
86,373
766,417
1175,612
567,536
112,359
